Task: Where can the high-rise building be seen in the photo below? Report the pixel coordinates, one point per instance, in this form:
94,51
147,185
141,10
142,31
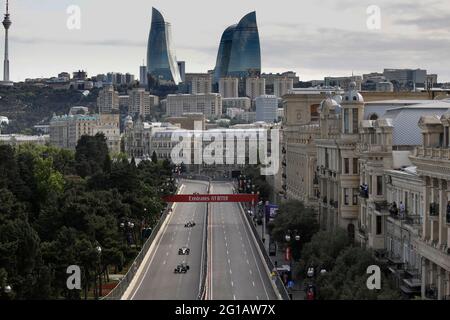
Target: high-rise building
6,24
266,108
406,79
143,76
199,82
162,65
141,102
282,86
229,87
208,104
239,51
255,87
108,100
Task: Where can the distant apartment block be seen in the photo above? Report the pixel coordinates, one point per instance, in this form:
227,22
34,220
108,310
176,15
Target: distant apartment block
229,87
208,104
255,87
141,102
108,100
198,83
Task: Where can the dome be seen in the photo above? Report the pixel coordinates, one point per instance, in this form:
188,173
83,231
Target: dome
352,95
328,104
128,119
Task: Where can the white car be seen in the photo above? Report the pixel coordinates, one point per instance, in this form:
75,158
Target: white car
310,272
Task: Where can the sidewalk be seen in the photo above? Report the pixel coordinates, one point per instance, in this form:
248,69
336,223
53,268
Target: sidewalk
279,260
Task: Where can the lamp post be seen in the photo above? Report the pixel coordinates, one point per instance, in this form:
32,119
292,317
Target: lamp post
99,252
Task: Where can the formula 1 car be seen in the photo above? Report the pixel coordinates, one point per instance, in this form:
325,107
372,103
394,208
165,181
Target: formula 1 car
181,268
189,224
184,251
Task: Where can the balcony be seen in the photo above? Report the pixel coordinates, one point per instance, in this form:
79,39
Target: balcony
283,163
382,206
433,153
434,209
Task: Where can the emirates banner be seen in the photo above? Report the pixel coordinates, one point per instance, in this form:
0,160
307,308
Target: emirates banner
212,198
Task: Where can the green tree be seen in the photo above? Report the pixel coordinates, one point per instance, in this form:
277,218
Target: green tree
293,215
154,157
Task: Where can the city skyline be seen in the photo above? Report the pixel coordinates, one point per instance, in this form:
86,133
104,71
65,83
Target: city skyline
292,36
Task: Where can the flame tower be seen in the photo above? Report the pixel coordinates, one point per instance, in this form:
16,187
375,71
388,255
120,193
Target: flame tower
6,24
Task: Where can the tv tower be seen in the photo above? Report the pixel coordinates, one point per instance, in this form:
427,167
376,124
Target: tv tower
6,24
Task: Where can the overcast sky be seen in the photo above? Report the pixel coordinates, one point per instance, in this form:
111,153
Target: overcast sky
313,38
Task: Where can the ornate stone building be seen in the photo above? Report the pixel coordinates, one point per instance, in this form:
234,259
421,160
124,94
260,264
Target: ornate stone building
433,165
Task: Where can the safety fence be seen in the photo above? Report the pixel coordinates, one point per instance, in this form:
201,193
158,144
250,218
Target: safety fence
122,286
278,282
204,267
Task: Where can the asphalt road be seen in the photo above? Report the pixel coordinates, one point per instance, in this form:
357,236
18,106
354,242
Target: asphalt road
158,280
236,271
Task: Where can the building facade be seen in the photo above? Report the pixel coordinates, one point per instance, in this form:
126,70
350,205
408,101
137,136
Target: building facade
108,100
229,87
255,87
66,130
141,102
239,52
266,108
199,83
162,65
433,166
208,104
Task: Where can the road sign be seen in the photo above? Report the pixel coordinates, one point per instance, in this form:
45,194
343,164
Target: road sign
211,198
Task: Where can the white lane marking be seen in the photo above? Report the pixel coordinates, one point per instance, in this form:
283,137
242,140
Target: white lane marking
167,253
164,262
250,271
234,297
231,272
254,256
153,254
253,283
248,262
257,298
228,261
228,253
232,284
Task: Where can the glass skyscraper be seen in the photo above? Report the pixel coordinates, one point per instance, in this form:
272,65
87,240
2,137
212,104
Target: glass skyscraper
162,66
239,51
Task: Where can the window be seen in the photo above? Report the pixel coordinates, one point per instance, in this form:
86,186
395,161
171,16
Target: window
346,196
355,121
379,185
346,121
355,196
346,166
378,225
355,166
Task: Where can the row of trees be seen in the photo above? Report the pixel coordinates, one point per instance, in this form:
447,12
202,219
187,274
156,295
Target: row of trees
57,208
346,263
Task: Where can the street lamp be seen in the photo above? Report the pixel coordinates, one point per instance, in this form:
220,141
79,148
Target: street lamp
99,251
8,289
